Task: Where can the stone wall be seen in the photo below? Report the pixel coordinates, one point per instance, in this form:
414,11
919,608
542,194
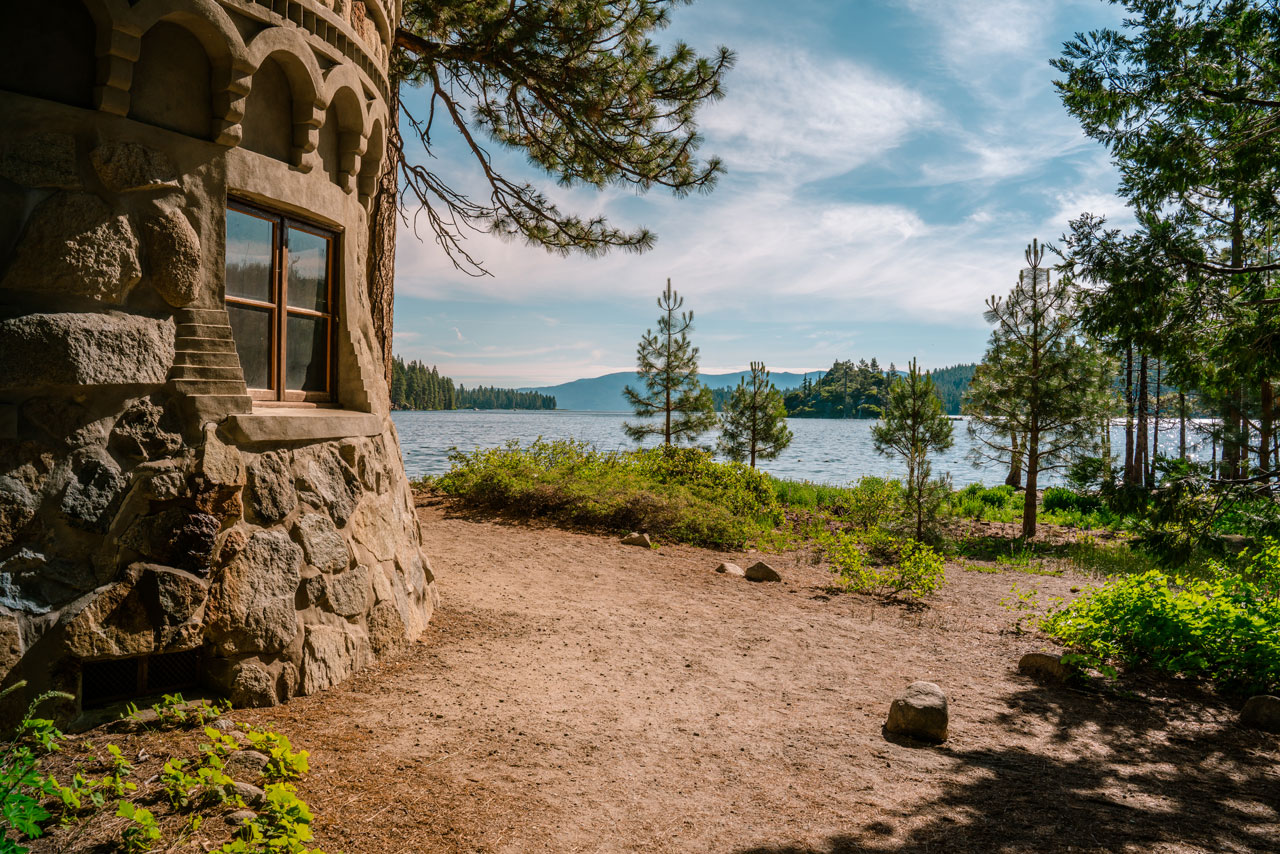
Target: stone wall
147,506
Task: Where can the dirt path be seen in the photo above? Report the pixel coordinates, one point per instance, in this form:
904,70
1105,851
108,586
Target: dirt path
576,695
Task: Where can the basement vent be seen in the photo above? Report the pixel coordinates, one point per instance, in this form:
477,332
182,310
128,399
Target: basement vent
104,682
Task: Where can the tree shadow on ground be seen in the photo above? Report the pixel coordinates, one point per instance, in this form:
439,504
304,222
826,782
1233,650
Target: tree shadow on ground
1117,773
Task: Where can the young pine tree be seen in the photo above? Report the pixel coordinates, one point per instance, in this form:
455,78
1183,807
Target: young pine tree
754,424
1041,388
667,363
913,427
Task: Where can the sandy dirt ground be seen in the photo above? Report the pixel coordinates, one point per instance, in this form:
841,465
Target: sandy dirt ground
576,695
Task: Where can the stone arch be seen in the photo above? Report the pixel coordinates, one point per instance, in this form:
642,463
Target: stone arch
371,162
304,114
224,52
342,136
173,81
48,50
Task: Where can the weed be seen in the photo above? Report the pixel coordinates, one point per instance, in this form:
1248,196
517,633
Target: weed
284,763
142,832
22,786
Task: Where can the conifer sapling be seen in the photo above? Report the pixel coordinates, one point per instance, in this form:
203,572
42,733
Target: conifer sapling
754,424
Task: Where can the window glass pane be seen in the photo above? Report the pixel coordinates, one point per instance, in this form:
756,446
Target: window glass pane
308,270
252,330
248,256
307,343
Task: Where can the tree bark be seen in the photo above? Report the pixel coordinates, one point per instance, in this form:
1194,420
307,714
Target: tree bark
1030,500
383,217
1128,418
1264,426
1014,477
1140,443
1182,426
1155,434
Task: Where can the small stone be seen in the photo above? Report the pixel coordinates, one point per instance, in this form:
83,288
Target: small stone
920,713
761,571
731,569
74,244
250,794
1042,665
10,643
220,463
635,539
145,431
96,484
348,592
17,508
240,818
272,495
173,257
126,166
1262,712
223,725
322,545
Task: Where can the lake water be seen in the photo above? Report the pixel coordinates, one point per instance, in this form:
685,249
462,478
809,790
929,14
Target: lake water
823,450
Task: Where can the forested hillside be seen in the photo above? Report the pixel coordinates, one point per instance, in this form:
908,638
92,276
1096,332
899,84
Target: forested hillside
952,384
415,386
857,390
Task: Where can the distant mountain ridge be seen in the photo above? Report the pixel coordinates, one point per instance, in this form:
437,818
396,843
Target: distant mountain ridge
604,394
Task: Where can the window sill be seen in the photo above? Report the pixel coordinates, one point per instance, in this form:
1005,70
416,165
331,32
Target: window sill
282,424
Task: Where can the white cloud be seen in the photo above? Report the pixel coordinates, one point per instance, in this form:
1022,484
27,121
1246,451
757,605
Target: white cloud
793,112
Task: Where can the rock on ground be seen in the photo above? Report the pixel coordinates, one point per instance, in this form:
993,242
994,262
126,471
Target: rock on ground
920,713
731,569
1042,665
1262,712
761,571
635,539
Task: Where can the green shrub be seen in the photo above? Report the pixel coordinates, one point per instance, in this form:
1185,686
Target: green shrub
141,832
679,494
918,571
1225,628
22,786
1057,498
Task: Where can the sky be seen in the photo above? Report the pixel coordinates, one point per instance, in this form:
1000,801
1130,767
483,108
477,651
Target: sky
887,162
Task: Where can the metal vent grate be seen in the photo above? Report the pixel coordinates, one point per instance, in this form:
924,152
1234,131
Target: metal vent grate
105,682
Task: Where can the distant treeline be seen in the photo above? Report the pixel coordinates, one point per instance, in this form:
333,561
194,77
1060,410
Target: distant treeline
415,386
857,390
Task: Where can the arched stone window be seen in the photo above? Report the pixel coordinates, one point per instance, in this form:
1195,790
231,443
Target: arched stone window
172,82
47,51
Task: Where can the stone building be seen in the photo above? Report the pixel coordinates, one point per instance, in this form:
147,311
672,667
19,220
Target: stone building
200,484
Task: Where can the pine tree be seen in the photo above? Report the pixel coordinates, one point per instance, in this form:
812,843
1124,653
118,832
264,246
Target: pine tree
913,427
667,362
1038,382
754,424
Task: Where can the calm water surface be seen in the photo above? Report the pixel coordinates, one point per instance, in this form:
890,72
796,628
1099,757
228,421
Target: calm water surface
823,451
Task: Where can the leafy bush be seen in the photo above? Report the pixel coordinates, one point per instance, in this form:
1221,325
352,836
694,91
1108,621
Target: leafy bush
1225,628
1058,499
918,571
22,786
141,832
284,763
996,503
675,493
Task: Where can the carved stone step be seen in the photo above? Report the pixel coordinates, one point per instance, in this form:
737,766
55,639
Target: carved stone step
206,358
205,372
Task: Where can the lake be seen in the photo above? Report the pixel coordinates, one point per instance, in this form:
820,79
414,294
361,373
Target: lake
824,450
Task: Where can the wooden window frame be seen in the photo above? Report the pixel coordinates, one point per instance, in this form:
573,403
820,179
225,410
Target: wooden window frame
280,309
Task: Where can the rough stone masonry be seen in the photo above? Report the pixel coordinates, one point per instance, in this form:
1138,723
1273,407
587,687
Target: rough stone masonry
163,521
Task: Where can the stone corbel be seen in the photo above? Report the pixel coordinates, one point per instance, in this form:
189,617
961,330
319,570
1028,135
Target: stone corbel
351,146
228,104
117,52
307,120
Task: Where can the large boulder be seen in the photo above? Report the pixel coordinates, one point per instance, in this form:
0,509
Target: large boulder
151,609
1262,712
128,166
761,571
173,257
75,245
145,430
374,527
251,608
325,481
920,713
17,508
348,592
34,583
96,483
85,349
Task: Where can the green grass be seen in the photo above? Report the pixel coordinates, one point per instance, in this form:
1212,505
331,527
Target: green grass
673,494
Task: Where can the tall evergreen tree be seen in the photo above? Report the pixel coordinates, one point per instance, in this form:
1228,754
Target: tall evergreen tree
1040,384
754,424
913,427
667,363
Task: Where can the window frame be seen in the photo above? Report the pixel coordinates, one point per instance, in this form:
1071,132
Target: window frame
280,310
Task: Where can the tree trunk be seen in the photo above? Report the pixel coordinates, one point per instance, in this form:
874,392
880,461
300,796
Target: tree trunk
1128,418
1033,476
1014,478
1182,426
380,271
1140,443
1155,434
1264,427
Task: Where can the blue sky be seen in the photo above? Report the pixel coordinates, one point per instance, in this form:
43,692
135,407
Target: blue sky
888,161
